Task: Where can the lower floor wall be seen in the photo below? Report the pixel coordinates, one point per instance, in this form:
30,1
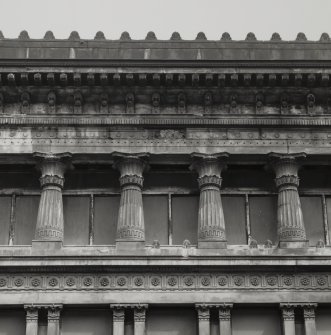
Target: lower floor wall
165,320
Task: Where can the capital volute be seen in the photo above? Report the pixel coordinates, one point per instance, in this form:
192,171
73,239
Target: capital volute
203,312
31,313
287,311
140,312
118,312
309,311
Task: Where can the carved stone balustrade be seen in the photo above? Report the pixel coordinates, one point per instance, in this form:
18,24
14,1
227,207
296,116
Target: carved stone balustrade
211,226
130,225
49,226
291,229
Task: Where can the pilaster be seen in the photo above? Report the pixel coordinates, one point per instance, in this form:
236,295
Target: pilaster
118,319
49,228
31,319
224,314
140,319
130,225
53,318
309,319
211,225
291,229
203,319
288,321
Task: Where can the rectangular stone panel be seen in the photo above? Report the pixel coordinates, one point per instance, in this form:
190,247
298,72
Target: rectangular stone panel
105,219
312,212
156,218
5,203
86,322
185,218
323,320
76,220
256,321
263,218
171,321
12,322
26,219
234,216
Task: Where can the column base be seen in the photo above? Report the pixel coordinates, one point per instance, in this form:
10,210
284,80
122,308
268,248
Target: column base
293,244
130,245
212,244
49,245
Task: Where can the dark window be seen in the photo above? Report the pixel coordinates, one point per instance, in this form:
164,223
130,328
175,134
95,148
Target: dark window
5,203
185,218
105,219
76,219
156,218
263,218
234,216
312,211
26,219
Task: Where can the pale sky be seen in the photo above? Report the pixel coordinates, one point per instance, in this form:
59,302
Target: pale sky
188,17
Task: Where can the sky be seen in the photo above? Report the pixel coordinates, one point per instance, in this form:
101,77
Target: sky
188,17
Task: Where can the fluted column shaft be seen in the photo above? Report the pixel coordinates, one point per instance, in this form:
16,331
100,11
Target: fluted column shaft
50,213
140,319
53,318
211,225
288,321
130,224
309,317
203,319
224,314
31,320
291,229
118,319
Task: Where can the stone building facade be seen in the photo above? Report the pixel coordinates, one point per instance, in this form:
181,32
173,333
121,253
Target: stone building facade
165,187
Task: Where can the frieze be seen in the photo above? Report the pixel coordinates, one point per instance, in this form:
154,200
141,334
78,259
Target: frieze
163,281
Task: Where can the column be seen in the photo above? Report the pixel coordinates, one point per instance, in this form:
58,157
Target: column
49,226
288,319
309,318
130,224
140,319
118,319
224,314
291,229
53,319
211,226
203,319
31,320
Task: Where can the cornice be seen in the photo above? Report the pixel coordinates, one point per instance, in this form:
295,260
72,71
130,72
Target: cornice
176,121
